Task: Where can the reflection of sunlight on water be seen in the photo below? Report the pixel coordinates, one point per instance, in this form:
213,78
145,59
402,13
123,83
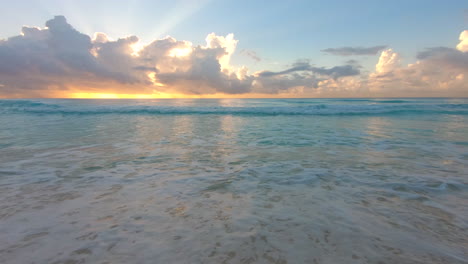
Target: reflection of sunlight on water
232,102
148,132
378,133
453,128
378,127
182,126
183,102
228,127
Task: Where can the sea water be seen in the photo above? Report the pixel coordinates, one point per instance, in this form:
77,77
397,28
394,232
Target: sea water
234,181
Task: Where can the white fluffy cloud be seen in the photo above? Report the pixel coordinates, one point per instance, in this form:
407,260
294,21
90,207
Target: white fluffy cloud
438,72
463,45
388,61
59,59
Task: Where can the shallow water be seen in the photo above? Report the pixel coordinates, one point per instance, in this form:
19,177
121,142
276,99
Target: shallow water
234,181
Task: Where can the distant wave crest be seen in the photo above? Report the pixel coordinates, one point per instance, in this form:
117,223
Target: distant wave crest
370,107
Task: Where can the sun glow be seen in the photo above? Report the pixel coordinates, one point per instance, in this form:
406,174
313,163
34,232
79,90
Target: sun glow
119,96
162,95
137,47
180,52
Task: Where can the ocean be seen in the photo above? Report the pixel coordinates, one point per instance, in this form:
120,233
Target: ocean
234,181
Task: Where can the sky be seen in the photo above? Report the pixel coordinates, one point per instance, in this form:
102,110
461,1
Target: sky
186,48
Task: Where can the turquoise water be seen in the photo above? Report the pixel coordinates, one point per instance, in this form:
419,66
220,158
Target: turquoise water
234,181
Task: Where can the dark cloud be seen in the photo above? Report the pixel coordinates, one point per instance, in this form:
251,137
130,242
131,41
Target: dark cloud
299,66
353,62
334,72
445,57
433,52
145,68
338,71
251,54
349,51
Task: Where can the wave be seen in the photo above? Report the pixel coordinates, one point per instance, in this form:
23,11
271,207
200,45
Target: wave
25,104
376,107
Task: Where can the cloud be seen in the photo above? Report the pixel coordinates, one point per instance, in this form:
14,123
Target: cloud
463,45
353,62
334,72
388,61
62,55
337,71
58,60
439,71
349,51
251,54
447,58
299,66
